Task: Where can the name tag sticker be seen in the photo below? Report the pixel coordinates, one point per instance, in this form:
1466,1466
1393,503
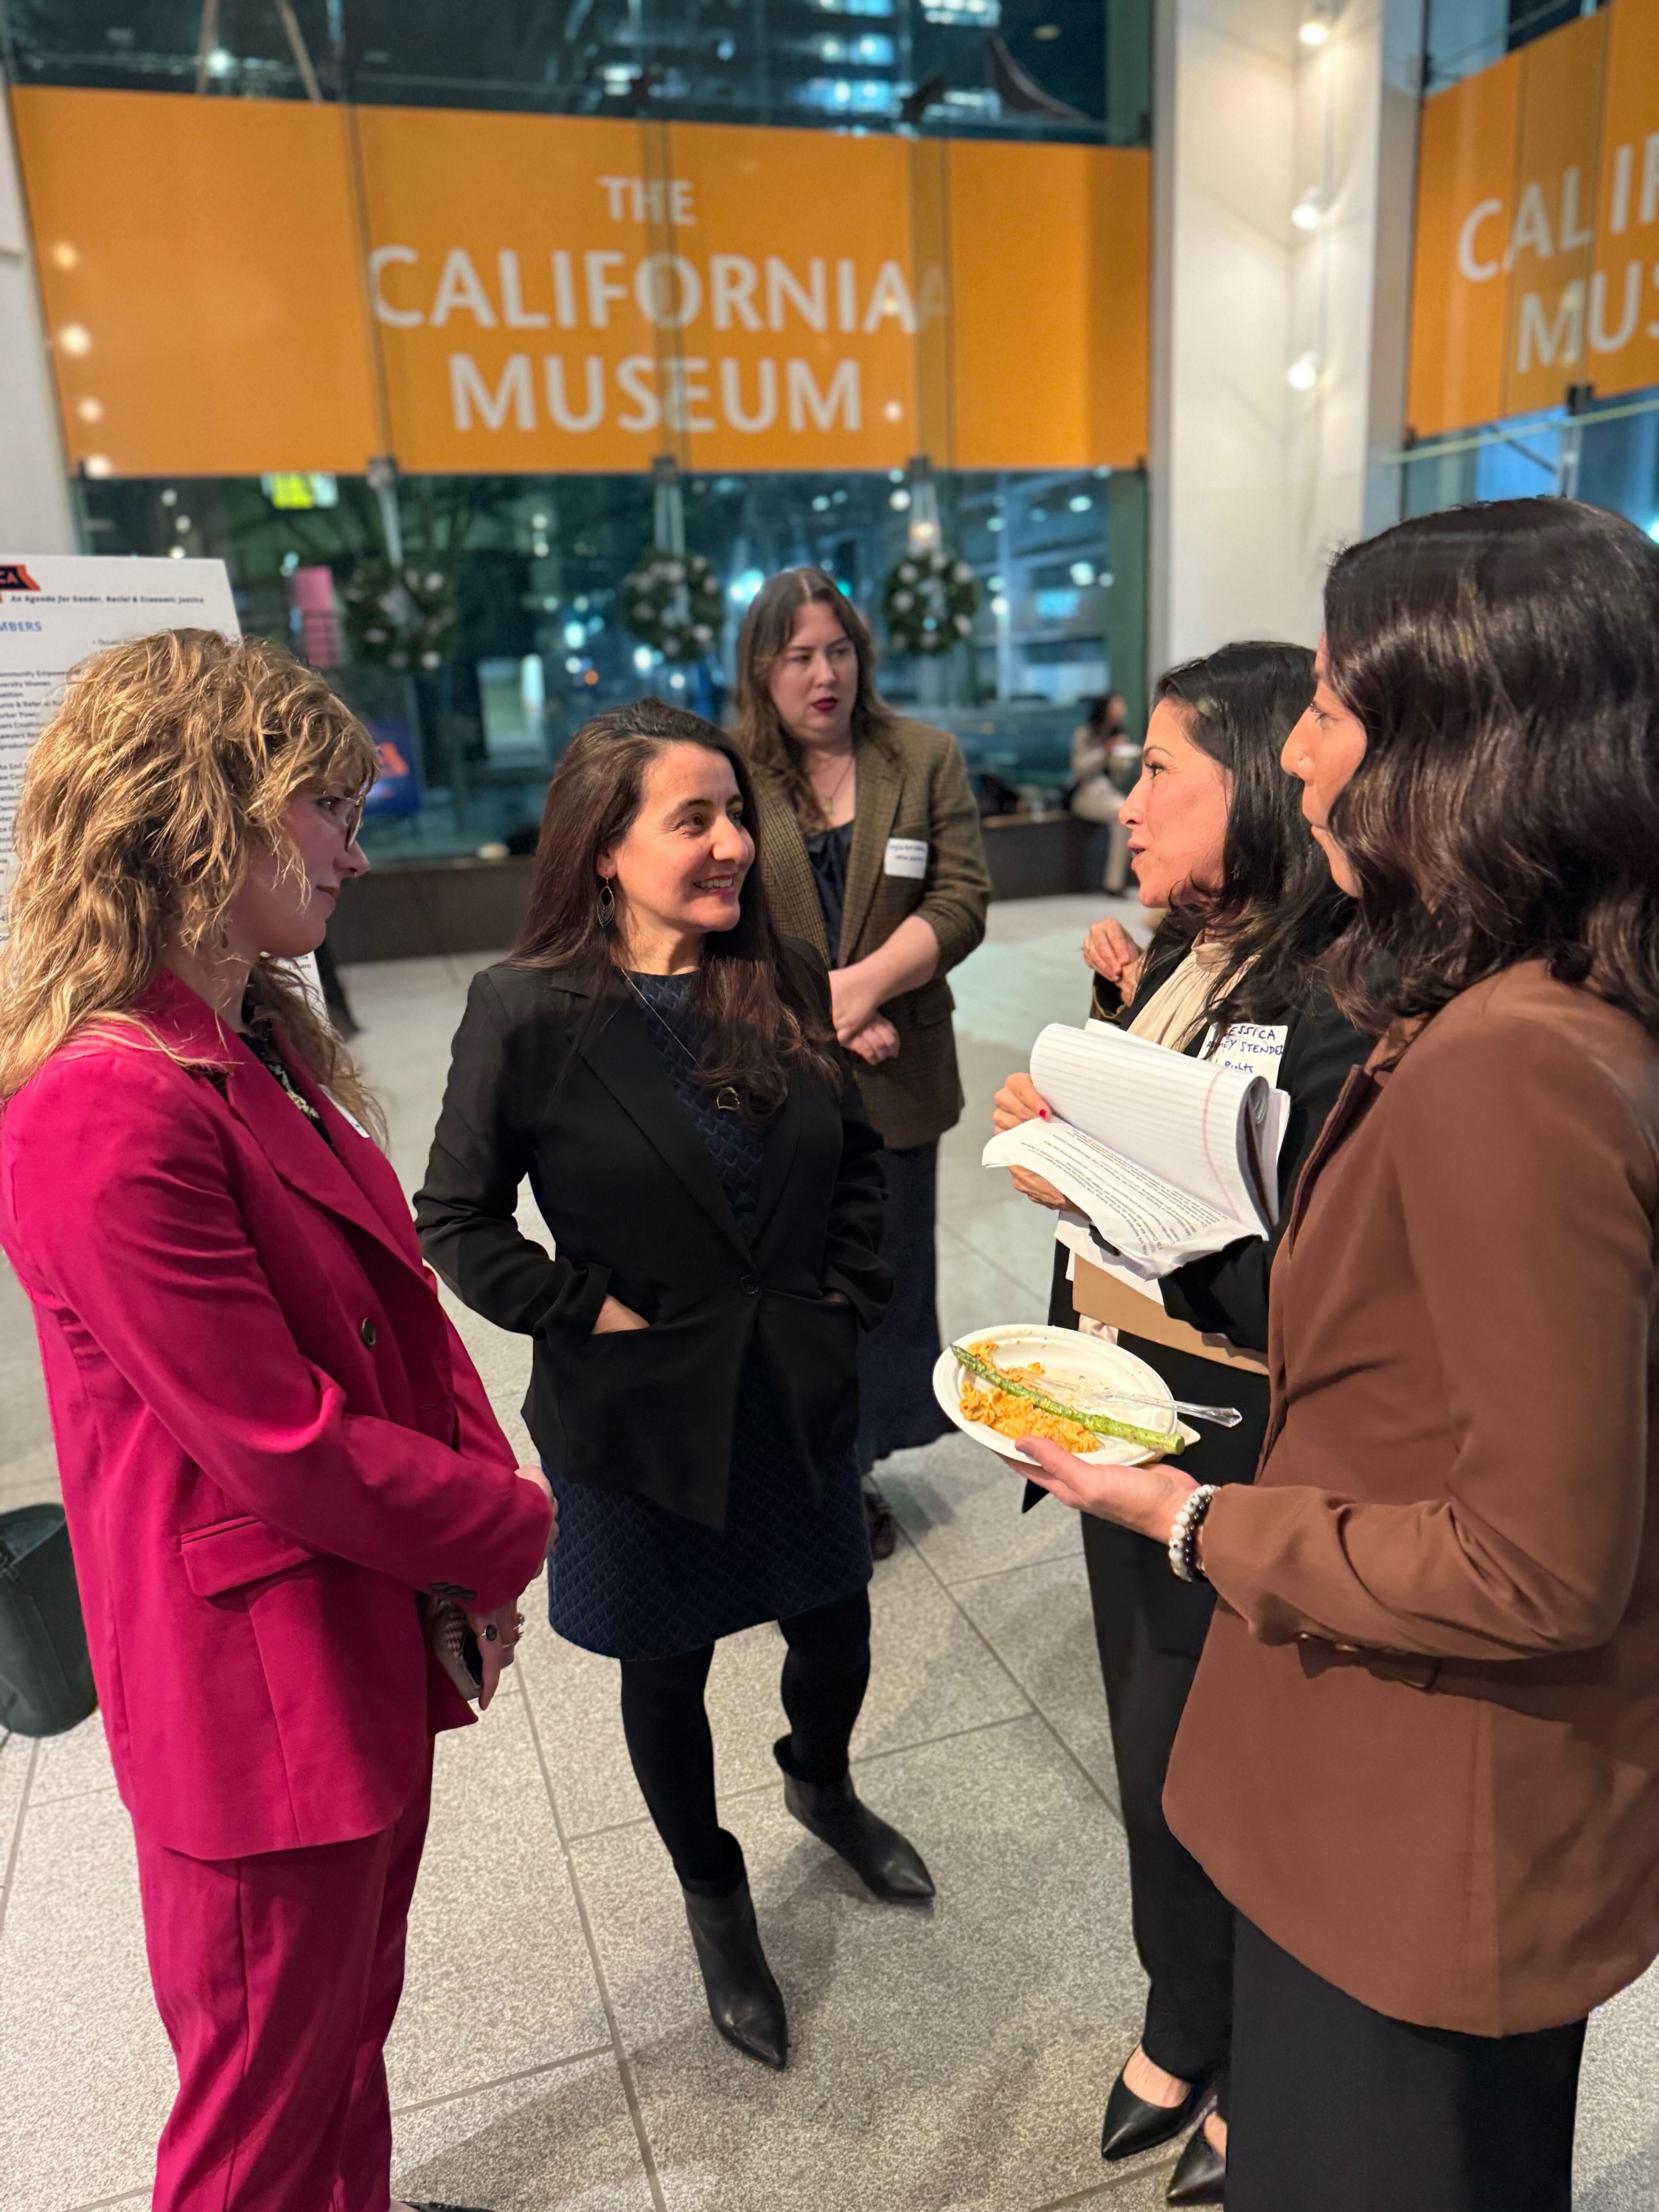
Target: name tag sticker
1252,1048
906,856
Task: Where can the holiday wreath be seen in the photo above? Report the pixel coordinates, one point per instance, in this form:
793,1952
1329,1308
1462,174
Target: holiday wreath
673,603
405,618
928,602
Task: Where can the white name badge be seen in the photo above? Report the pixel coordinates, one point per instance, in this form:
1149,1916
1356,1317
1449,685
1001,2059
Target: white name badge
906,856
1252,1048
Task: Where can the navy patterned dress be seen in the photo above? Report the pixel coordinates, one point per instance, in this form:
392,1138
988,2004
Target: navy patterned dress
630,1580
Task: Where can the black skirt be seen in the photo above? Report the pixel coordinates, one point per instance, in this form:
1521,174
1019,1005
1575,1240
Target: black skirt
630,1580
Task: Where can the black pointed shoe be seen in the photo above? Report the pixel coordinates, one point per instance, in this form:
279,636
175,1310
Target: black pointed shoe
744,2002
1201,2173
1132,2124
886,1862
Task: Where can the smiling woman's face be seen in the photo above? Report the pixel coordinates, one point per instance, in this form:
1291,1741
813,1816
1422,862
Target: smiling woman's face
679,870
1177,815
1323,750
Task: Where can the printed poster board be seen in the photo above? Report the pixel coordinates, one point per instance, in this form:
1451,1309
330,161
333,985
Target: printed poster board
55,608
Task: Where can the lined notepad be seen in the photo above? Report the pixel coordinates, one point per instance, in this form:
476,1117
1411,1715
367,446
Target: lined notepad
1168,1158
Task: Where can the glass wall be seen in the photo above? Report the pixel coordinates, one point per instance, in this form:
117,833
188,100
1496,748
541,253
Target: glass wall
1605,452
1462,36
1049,68
478,619
527,572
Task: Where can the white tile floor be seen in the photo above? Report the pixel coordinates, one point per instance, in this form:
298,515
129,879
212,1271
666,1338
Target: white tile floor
553,2051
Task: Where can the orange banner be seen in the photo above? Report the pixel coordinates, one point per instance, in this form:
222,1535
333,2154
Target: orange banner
240,287
1537,257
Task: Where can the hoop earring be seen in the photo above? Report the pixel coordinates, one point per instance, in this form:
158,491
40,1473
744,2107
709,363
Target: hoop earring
607,903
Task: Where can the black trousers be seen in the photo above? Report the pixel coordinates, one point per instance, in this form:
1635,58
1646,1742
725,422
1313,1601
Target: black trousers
826,1671
1184,1926
1336,2108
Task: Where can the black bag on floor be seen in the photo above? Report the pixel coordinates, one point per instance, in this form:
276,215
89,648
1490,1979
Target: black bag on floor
46,1677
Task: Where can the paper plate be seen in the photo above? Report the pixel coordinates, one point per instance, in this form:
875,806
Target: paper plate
1070,1362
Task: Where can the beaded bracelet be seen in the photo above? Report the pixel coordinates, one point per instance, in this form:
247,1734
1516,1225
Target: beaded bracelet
1183,1536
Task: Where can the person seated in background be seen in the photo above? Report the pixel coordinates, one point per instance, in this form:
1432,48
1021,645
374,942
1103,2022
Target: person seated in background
1104,761
663,1069
1421,1756
270,1437
1216,838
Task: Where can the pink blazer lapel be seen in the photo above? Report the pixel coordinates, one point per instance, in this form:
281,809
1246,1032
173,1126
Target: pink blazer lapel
329,1175
350,1178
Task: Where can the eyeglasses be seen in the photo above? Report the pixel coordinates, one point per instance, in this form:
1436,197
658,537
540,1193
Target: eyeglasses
346,814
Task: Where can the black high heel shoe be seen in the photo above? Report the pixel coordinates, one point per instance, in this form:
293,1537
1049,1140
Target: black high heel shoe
886,1862
1200,2172
1132,2124
745,2001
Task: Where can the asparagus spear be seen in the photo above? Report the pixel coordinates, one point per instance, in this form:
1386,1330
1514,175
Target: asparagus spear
1160,1441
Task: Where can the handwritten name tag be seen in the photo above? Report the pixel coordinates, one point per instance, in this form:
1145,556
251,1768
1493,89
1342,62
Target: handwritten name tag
1251,1048
906,856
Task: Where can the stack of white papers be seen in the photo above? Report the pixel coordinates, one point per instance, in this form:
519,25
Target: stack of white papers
1168,1158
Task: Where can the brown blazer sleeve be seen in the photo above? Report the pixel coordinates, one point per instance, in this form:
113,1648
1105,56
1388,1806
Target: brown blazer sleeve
958,880
1525,1181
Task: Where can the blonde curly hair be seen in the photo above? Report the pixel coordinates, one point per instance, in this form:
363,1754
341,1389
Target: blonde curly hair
170,757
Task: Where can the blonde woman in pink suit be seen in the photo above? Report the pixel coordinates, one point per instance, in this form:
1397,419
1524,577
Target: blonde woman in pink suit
275,1456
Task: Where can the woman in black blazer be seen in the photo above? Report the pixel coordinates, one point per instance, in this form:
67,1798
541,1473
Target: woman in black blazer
663,1069
1216,837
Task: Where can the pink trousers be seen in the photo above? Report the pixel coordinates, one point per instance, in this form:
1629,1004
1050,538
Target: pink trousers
277,1977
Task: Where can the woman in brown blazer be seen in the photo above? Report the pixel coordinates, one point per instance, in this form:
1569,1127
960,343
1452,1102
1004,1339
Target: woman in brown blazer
1421,1756
870,850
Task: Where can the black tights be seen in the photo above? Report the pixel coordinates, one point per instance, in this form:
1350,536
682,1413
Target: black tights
825,1673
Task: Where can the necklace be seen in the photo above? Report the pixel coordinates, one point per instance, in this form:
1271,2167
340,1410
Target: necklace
725,1099
827,802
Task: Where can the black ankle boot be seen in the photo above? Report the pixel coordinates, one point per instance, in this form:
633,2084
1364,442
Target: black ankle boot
881,1858
744,2002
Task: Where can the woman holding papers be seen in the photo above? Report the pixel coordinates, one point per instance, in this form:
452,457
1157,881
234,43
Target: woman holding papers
1216,838
1421,1757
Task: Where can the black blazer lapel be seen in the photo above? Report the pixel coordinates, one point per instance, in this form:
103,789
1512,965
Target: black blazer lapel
782,1140
627,1063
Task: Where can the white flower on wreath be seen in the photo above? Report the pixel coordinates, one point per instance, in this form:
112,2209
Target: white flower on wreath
903,602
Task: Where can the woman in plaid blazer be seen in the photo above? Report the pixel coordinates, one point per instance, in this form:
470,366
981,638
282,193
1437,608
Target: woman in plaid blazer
869,850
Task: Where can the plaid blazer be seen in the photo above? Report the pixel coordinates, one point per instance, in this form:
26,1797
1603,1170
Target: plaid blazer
918,791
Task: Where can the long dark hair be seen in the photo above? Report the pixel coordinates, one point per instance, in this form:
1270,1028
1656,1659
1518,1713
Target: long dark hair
757,1020
1276,910
767,629
1503,661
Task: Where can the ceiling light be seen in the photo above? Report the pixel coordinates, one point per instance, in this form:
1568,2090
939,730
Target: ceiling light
1308,209
98,464
1315,31
1303,373
89,409
75,338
